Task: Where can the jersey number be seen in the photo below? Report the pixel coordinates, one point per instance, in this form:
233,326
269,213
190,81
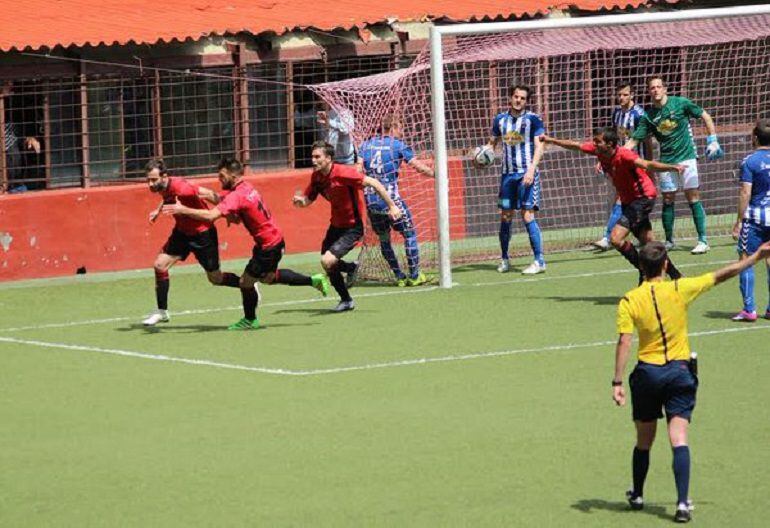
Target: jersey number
376,163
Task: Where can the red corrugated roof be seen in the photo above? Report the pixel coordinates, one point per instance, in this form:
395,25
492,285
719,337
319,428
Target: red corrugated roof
33,24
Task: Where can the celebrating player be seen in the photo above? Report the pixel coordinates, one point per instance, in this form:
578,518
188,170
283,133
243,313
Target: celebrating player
341,185
668,119
664,377
625,117
241,203
636,190
381,158
753,225
198,236
519,130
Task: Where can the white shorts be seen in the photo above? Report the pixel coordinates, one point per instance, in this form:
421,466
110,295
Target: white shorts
669,181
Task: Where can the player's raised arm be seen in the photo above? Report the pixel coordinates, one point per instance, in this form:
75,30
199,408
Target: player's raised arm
209,195
393,211
207,215
422,168
657,166
563,143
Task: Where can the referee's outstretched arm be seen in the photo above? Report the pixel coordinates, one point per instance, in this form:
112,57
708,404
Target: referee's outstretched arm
735,268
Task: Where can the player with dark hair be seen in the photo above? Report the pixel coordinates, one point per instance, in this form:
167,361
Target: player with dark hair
520,131
668,120
636,190
665,376
190,235
753,225
341,185
241,203
381,158
625,118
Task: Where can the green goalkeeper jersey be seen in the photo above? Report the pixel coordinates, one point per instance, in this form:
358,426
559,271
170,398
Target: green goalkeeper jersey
670,125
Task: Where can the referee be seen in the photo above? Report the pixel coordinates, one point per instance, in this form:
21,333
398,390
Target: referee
664,377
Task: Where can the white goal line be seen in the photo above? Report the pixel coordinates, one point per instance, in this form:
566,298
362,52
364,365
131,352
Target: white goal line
349,368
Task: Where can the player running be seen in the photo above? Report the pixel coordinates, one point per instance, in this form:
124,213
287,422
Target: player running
520,130
341,185
625,118
381,158
190,235
635,188
241,203
753,225
668,119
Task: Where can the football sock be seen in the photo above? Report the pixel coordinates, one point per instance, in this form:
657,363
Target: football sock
641,463
681,467
231,279
535,240
162,284
412,250
505,239
250,300
630,253
335,277
668,220
699,218
292,278
617,212
747,289
390,257
346,267
673,272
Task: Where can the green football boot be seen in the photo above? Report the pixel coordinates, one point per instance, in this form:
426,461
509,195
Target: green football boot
320,283
244,324
417,281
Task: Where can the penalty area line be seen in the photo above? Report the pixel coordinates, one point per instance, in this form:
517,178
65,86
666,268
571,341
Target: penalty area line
349,368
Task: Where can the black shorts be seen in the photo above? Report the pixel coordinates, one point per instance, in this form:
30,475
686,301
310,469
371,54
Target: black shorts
654,387
264,261
636,215
340,240
204,245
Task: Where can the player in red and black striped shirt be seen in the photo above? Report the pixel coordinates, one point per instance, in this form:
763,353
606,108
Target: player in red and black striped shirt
342,186
636,190
188,236
242,203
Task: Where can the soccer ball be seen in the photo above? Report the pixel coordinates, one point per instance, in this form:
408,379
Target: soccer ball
484,156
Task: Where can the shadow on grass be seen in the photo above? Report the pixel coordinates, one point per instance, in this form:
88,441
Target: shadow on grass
589,505
198,328
600,301
721,314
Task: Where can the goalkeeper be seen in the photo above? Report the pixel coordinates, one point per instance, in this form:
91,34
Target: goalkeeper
668,120
636,190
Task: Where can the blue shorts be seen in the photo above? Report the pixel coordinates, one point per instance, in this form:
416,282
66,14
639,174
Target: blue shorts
515,195
752,236
382,224
654,387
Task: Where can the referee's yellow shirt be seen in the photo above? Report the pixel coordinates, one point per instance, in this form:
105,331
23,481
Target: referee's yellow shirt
658,310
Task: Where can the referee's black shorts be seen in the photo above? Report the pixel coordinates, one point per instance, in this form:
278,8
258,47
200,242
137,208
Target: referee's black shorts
341,240
204,245
656,387
636,215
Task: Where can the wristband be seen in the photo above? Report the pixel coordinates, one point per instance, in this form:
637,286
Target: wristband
617,383
711,139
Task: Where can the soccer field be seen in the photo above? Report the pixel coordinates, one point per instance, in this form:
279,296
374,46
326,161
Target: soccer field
485,405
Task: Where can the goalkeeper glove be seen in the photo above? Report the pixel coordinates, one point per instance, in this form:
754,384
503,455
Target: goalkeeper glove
713,148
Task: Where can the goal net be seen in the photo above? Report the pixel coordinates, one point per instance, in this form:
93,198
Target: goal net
722,64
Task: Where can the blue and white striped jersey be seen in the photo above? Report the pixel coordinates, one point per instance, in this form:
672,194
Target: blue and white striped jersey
382,157
625,121
755,169
518,134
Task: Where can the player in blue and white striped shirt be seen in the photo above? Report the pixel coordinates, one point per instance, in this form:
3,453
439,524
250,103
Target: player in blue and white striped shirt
520,131
753,224
625,117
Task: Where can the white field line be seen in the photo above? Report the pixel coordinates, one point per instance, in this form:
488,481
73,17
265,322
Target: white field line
540,278
350,368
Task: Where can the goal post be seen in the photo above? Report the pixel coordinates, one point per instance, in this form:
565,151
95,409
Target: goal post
438,84
446,99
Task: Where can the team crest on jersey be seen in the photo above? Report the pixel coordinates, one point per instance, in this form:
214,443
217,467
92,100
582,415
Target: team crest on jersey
667,126
513,138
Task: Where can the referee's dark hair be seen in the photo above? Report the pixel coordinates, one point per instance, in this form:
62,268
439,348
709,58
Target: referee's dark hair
652,257
156,163
325,146
231,165
522,87
609,134
762,132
